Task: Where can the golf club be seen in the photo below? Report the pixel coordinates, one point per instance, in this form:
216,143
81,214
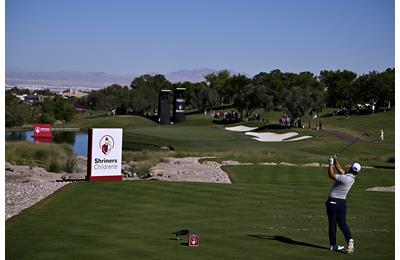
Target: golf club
350,144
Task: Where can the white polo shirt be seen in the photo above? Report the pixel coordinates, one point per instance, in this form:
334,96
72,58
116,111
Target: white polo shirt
342,185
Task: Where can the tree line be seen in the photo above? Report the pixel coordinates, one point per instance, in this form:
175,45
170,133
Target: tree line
53,108
295,94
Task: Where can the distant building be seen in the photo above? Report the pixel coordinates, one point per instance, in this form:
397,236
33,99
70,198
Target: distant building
34,98
74,93
21,97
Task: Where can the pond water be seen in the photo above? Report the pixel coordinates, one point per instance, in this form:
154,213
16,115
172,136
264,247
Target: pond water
78,140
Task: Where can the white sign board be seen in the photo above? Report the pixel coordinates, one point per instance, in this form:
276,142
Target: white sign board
104,154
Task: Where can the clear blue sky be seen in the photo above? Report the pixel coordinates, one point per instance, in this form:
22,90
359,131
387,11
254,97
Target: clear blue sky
139,36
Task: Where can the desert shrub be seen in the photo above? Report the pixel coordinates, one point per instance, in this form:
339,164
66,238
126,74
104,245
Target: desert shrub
53,166
52,157
144,160
70,160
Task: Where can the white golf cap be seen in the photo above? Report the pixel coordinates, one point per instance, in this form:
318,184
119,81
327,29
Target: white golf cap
356,167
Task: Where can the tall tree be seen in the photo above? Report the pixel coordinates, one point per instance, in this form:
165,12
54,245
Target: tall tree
341,90
145,91
300,101
17,113
251,97
376,88
203,97
219,81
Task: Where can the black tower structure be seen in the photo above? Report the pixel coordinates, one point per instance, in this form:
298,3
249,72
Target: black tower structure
179,105
163,107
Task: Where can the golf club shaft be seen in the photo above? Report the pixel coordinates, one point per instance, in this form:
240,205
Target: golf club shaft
347,146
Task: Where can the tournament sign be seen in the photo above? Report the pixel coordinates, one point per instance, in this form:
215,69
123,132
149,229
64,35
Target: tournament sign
104,154
42,131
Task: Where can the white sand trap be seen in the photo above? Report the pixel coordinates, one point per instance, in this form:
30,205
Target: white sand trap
383,189
271,137
240,128
299,138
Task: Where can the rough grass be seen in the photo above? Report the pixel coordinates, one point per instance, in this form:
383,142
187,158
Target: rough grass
267,213
53,157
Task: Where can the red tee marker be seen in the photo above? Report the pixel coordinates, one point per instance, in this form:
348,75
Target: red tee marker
194,240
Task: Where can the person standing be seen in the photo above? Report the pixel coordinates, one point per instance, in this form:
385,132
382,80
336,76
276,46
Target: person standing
336,203
382,134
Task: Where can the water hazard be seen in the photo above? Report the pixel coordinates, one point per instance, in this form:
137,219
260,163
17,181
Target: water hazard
78,140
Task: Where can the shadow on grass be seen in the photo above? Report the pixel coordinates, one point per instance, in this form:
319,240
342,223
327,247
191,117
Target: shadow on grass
287,240
183,243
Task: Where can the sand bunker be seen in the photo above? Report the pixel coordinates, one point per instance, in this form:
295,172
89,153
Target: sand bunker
240,128
268,136
272,137
299,138
382,189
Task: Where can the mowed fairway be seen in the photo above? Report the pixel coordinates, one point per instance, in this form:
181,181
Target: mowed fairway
200,136
267,213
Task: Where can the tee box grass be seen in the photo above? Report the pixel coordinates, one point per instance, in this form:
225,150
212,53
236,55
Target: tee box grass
266,213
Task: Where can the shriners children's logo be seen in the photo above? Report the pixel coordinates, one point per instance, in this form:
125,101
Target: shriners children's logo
106,144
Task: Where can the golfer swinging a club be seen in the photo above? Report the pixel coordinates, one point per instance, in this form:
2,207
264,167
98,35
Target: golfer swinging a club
336,203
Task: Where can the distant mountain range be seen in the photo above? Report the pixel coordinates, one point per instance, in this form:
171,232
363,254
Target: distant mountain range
18,77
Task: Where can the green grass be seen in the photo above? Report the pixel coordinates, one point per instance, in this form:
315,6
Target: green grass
53,157
109,121
200,136
267,213
371,124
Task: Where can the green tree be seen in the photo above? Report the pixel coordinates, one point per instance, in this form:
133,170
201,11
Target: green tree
56,108
275,82
219,81
376,88
17,112
234,85
341,90
17,91
299,101
251,97
203,97
145,91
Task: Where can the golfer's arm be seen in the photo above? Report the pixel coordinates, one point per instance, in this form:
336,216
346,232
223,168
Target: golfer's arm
331,172
339,167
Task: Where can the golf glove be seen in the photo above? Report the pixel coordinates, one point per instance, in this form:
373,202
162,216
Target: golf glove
331,160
